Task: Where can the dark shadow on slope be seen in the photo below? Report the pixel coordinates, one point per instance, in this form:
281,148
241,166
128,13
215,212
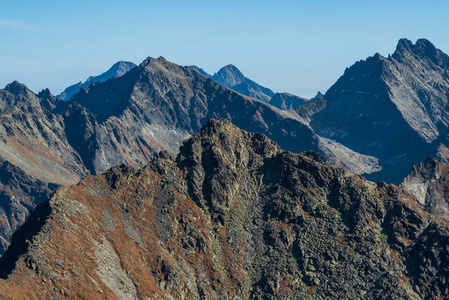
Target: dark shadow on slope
22,239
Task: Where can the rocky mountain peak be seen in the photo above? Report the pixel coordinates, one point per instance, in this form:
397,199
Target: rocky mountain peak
44,93
404,45
158,65
17,94
422,49
17,88
318,95
227,140
50,102
151,60
121,67
404,95
229,75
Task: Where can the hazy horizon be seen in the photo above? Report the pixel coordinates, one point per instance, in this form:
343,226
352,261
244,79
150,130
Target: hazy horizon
300,47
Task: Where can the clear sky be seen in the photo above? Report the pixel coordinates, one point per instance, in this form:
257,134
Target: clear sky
289,46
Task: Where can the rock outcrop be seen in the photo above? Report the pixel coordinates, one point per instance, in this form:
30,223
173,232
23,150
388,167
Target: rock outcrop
232,216
428,183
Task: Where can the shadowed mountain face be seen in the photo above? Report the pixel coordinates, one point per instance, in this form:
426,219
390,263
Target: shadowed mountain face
117,70
161,103
392,108
232,216
19,194
35,155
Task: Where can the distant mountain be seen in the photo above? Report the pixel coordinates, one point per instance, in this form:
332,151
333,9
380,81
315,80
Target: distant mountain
117,70
231,77
395,108
233,216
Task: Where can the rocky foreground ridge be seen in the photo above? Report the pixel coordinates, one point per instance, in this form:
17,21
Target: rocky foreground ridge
232,216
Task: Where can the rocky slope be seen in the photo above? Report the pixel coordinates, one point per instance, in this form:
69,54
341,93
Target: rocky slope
19,195
117,70
33,138
287,101
233,216
392,108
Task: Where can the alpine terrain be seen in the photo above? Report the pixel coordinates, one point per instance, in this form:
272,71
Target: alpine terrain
232,216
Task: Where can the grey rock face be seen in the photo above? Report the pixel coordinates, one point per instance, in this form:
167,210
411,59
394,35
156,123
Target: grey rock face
127,119
391,108
428,183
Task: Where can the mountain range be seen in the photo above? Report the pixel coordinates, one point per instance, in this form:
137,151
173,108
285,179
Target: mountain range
232,216
125,120
233,212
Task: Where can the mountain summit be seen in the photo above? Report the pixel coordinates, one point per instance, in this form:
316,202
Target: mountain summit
231,77
117,70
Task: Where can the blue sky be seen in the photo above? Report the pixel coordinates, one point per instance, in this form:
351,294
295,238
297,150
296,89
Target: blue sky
293,46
